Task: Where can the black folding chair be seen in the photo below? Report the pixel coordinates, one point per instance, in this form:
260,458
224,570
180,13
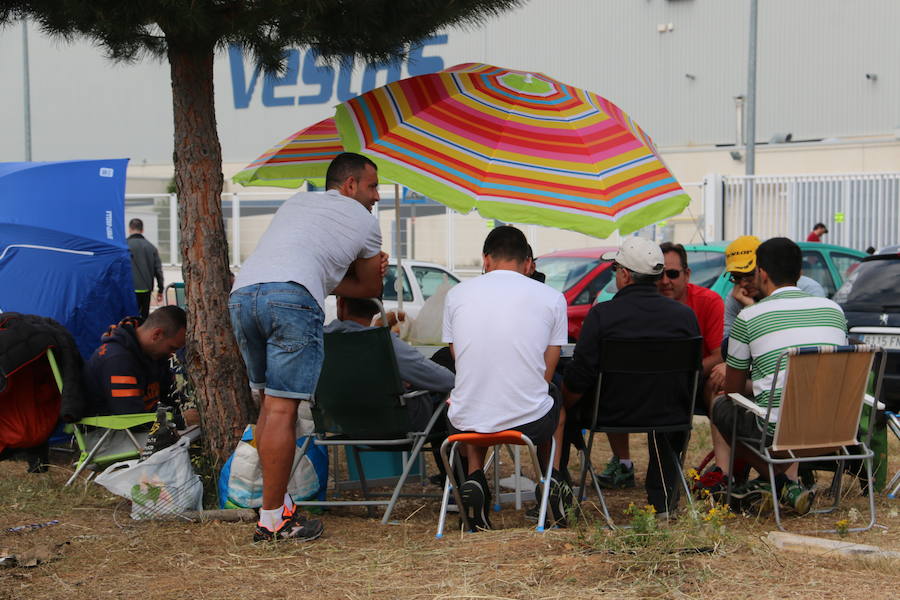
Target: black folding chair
624,363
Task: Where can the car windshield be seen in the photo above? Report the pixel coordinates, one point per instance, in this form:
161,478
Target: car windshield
565,271
706,267
872,287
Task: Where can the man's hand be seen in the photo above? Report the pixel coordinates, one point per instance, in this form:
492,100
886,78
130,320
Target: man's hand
741,295
716,379
384,262
393,318
158,297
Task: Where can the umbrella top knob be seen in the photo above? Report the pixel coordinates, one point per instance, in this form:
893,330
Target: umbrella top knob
527,77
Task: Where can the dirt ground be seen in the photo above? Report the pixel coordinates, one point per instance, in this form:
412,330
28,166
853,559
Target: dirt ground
97,551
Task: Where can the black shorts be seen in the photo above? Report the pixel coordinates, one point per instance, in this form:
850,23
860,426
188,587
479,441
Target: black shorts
538,431
725,413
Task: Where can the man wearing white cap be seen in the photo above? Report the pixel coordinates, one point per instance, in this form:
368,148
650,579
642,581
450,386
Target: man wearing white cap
637,311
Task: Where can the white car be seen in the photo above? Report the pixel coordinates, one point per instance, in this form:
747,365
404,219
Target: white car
420,280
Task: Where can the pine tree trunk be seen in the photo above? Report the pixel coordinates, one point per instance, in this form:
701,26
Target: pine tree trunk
214,363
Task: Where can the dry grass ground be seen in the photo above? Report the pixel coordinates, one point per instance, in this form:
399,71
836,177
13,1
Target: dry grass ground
103,554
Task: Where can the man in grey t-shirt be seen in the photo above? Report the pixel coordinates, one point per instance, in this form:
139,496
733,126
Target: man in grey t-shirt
317,243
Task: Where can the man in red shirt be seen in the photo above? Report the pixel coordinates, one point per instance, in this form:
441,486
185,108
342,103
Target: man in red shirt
710,311
816,234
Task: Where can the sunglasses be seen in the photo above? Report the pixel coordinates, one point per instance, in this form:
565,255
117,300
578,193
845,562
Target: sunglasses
741,277
672,273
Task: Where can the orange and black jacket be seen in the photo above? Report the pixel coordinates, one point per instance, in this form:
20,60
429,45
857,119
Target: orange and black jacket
120,379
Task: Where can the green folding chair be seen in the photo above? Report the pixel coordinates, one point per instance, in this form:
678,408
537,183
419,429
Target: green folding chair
178,289
360,402
104,440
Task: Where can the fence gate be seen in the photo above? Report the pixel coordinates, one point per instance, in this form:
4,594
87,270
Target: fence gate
860,210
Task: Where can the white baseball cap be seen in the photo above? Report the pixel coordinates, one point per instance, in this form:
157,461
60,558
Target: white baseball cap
639,255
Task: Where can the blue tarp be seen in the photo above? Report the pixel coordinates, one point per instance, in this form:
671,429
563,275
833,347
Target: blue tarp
63,250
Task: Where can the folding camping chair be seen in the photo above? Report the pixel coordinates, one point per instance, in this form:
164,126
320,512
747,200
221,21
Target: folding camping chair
893,423
178,290
818,417
360,402
104,440
623,361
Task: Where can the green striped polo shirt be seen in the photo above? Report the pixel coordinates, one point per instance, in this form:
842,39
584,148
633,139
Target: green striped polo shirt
787,318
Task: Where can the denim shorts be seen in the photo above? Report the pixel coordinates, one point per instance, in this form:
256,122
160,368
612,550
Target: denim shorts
278,327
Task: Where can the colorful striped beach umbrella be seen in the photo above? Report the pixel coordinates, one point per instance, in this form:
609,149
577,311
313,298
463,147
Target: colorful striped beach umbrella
517,146
295,159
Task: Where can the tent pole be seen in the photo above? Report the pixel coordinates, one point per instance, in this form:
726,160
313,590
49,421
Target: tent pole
398,281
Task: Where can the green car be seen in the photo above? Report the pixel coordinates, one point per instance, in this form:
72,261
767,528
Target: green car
828,264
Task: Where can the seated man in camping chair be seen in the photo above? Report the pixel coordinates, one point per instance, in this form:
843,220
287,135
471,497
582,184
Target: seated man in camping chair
130,373
416,371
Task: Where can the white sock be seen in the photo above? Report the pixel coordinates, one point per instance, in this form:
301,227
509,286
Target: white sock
288,501
270,518
626,462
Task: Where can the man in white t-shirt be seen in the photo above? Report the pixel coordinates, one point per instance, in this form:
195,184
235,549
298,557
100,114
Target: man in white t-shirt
505,331
317,243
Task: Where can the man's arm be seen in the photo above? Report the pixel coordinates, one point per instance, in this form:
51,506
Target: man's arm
712,360
418,371
122,388
735,380
158,272
364,278
551,358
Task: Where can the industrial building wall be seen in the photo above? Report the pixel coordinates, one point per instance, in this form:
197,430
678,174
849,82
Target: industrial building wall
674,65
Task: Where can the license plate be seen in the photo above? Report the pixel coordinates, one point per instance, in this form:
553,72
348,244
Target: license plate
885,340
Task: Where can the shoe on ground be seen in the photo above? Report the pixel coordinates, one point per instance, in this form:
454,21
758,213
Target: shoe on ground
532,514
561,499
476,500
295,528
616,475
796,497
753,496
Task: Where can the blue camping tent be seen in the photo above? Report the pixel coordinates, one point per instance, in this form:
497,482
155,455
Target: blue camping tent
63,252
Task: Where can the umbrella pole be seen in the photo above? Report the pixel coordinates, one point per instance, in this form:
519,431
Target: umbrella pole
398,281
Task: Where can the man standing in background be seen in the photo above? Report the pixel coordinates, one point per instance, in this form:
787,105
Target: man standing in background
816,234
145,265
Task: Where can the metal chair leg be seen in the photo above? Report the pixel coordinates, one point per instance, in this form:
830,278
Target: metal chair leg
87,459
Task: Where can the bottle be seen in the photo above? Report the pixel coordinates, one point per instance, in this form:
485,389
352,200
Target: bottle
162,434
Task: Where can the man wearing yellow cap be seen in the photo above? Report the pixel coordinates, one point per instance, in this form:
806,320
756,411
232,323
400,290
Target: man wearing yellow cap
740,262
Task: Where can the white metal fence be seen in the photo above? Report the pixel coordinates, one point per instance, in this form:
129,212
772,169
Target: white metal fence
860,210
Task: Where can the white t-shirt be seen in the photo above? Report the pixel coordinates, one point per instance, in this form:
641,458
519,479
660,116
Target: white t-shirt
500,324
312,240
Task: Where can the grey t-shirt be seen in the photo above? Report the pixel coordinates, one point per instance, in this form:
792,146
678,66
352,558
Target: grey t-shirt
312,240
733,307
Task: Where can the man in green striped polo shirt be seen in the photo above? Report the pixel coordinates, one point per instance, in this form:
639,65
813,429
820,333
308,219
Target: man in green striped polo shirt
786,317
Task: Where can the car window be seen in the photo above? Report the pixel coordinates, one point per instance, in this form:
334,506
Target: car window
390,293
872,287
565,271
844,263
814,267
430,279
706,267
590,291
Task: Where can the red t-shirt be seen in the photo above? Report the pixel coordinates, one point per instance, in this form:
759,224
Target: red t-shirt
710,311
813,237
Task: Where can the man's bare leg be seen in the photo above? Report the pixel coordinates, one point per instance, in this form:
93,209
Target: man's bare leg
475,455
618,443
276,447
544,449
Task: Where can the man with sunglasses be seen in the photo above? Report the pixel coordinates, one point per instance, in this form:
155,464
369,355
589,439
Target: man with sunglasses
675,283
740,262
637,311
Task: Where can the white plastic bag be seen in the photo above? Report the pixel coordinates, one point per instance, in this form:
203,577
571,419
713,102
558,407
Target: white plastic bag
163,484
427,327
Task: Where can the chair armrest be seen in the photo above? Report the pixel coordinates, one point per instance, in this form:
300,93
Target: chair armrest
870,400
753,407
120,421
415,394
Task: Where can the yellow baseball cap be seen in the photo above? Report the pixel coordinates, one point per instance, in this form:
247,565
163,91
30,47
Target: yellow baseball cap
740,255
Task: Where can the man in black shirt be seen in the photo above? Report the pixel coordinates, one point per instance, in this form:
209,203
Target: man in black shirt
637,311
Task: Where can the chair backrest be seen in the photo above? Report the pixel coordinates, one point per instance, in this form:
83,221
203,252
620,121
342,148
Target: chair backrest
359,388
648,384
822,397
180,298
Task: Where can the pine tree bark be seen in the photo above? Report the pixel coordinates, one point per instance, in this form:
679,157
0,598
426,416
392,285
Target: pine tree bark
214,363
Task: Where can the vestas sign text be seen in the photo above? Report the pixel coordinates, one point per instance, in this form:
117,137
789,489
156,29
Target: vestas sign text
323,80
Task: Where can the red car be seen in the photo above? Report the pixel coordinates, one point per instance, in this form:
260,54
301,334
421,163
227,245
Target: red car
579,274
